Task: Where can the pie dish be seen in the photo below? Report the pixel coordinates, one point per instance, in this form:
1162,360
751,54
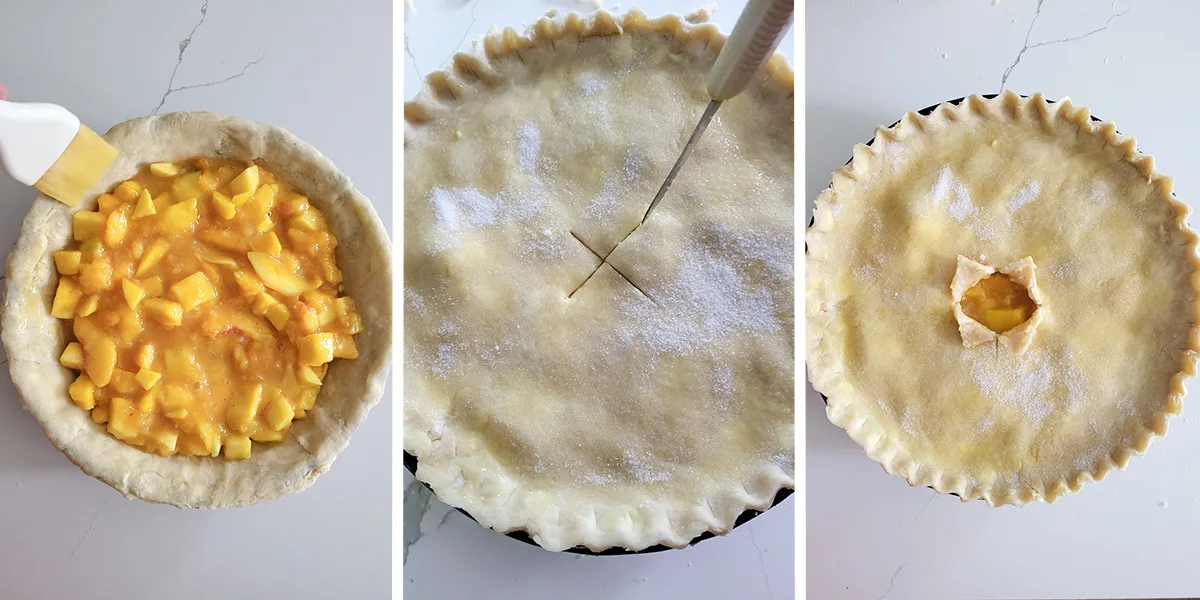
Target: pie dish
34,339
1086,228
567,372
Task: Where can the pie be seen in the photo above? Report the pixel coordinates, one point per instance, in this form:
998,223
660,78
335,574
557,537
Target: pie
568,372
212,324
1001,299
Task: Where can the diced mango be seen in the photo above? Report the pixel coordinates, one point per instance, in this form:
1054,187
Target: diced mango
145,206
307,376
267,243
145,404
123,382
100,413
186,187
280,413
193,290
278,315
169,314
107,203
348,314
308,398
164,169
91,250
88,306
145,356
246,181
147,378
99,360
66,299
154,254
278,277
133,293
96,276
268,435
245,408
293,203
153,286
211,438
87,224
316,349
216,258
250,285
237,447
66,262
221,238
344,346
240,200
223,205
128,191
72,356
168,441
262,302
309,220
83,392
116,226
181,218
125,421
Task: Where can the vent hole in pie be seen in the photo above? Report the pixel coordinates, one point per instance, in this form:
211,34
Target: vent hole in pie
998,303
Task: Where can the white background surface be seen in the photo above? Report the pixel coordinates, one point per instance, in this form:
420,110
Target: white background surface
325,74
452,557
869,534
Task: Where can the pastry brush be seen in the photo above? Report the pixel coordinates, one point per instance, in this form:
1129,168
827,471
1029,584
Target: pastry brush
758,32
46,146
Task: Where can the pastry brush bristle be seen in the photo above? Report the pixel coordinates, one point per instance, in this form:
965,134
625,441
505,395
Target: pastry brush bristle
78,169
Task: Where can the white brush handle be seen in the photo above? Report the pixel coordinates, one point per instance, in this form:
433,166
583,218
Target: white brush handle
758,32
32,137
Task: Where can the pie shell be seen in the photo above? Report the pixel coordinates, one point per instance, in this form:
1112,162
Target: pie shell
33,339
444,458
827,373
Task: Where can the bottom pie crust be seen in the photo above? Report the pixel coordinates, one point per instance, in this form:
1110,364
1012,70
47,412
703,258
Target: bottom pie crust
33,339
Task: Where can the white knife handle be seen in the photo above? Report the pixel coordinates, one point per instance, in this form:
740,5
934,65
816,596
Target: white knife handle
758,32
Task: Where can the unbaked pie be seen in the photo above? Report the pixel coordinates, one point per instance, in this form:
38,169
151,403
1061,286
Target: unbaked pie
559,378
1001,299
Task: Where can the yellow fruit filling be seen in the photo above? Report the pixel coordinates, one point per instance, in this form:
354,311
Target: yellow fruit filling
204,298
998,303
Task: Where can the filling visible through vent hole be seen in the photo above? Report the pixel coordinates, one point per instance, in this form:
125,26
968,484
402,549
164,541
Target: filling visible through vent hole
998,303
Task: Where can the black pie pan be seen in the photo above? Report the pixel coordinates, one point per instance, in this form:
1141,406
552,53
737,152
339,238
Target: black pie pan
928,110
410,463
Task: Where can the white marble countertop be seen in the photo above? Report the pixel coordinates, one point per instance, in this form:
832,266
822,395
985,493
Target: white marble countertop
314,68
450,557
870,535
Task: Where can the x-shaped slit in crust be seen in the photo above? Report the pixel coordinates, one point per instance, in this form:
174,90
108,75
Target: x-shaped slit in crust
604,259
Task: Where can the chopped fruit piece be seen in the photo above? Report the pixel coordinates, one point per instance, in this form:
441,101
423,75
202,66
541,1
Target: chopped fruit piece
168,313
145,356
246,182
96,276
195,353
276,276
280,413
998,302
278,315
147,378
99,360
245,408
66,299
152,256
87,224
83,392
125,421
133,293
128,191
164,169
88,306
117,226
267,243
316,349
145,206
107,203
193,291
72,356
237,447
66,262
153,286
223,206
181,218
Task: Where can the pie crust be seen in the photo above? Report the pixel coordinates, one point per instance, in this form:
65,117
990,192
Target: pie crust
973,332
1002,178
33,339
654,401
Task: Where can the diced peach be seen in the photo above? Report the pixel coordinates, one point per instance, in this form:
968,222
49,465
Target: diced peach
147,378
164,169
245,408
169,314
276,276
181,218
154,254
279,413
316,349
145,356
66,299
237,447
153,286
278,315
96,276
83,392
116,226
128,191
72,356
87,224
246,182
66,262
99,360
221,238
193,290
145,206
107,203
133,293
223,205
88,306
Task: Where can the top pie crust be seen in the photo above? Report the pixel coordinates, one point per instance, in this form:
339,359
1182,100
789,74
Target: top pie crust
33,339
620,416
1003,178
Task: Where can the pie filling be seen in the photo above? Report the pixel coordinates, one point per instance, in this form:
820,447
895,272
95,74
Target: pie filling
998,303
204,301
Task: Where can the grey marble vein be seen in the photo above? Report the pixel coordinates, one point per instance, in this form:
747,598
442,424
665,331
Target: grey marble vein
1027,47
183,46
